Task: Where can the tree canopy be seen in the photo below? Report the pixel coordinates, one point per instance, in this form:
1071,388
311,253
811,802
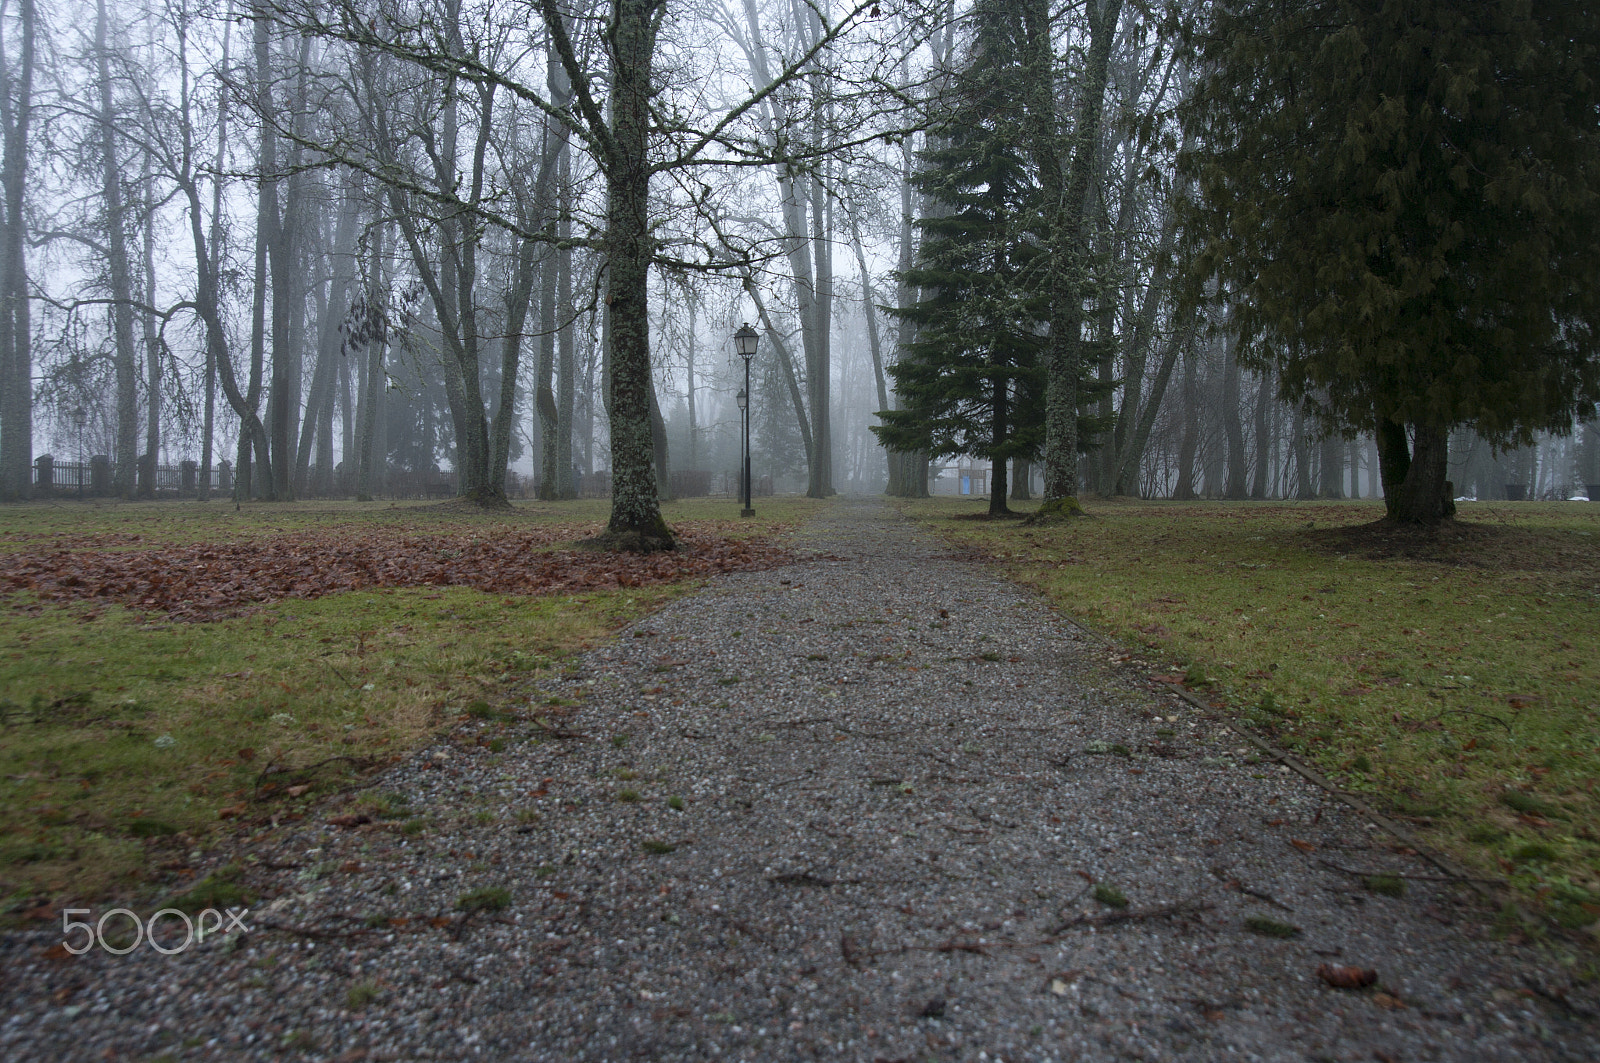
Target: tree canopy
1402,200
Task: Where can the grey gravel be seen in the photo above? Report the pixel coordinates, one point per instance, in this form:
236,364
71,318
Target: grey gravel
901,780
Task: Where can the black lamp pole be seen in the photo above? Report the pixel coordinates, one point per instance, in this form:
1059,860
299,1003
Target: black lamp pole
744,342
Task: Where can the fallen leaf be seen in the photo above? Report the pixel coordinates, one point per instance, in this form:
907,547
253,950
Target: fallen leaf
230,812
1347,977
349,819
247,754
1303,846
1388,1000
297,791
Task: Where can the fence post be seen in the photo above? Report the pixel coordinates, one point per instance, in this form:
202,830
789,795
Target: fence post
100,475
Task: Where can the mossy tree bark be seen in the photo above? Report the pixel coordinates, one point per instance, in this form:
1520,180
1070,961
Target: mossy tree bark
636,521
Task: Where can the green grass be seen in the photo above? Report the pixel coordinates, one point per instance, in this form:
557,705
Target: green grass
1454,680
128,740
488,899
1271,928
1110,896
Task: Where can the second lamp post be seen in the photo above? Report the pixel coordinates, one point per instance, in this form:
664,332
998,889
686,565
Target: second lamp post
744,341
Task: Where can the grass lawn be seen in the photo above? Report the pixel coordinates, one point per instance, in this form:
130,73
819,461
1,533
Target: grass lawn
1455,679
129,738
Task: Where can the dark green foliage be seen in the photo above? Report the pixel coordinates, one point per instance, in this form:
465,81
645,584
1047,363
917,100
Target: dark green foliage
970,382
1402,201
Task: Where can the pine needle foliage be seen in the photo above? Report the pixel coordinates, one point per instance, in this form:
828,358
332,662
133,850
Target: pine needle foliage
1402,200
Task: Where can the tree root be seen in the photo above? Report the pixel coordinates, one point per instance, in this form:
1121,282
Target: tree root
1056,511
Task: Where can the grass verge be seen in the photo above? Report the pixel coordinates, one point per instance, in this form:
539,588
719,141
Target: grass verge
1455,679
128,740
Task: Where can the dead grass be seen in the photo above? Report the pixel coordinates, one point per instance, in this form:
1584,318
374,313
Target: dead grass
1454,677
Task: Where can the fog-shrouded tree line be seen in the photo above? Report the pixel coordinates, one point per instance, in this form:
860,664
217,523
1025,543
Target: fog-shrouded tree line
1233,249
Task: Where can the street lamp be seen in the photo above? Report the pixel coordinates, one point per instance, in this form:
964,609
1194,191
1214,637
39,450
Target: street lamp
744,342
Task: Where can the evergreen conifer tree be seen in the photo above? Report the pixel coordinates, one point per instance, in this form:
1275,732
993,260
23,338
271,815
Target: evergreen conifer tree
1403,199
970,383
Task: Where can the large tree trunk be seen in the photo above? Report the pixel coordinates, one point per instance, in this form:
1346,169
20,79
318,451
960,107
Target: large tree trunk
1330,467
1065,184
374,379
152,340
1301,445
566,354
908,472
1184,488
223,95
16,358
125,360
869,305
1262,426
998,430
1238,471
1415,490
636,521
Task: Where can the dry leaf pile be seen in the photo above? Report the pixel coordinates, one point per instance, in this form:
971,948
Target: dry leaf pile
206,581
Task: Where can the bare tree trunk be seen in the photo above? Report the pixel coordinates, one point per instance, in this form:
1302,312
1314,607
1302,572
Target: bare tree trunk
332,304
784,357
208,432
566,383
1184,489
688,368
908,472
16,358
636,521
1331,467
1132,453
152,351
1238,470
125,359
1065,184
375,379
1262,423
869,305
1302,455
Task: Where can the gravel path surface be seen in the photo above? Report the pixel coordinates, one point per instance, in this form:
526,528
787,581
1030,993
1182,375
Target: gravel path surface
856,808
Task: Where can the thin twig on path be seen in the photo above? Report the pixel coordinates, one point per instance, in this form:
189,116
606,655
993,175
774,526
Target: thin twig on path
1414,878
1188,906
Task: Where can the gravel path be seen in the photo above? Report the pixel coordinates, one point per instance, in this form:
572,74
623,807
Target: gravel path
856,808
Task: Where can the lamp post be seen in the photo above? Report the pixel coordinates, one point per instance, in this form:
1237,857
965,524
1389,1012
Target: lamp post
744,342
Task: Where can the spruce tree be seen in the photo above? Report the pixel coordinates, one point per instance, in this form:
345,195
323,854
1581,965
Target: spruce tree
970,383
1403,199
